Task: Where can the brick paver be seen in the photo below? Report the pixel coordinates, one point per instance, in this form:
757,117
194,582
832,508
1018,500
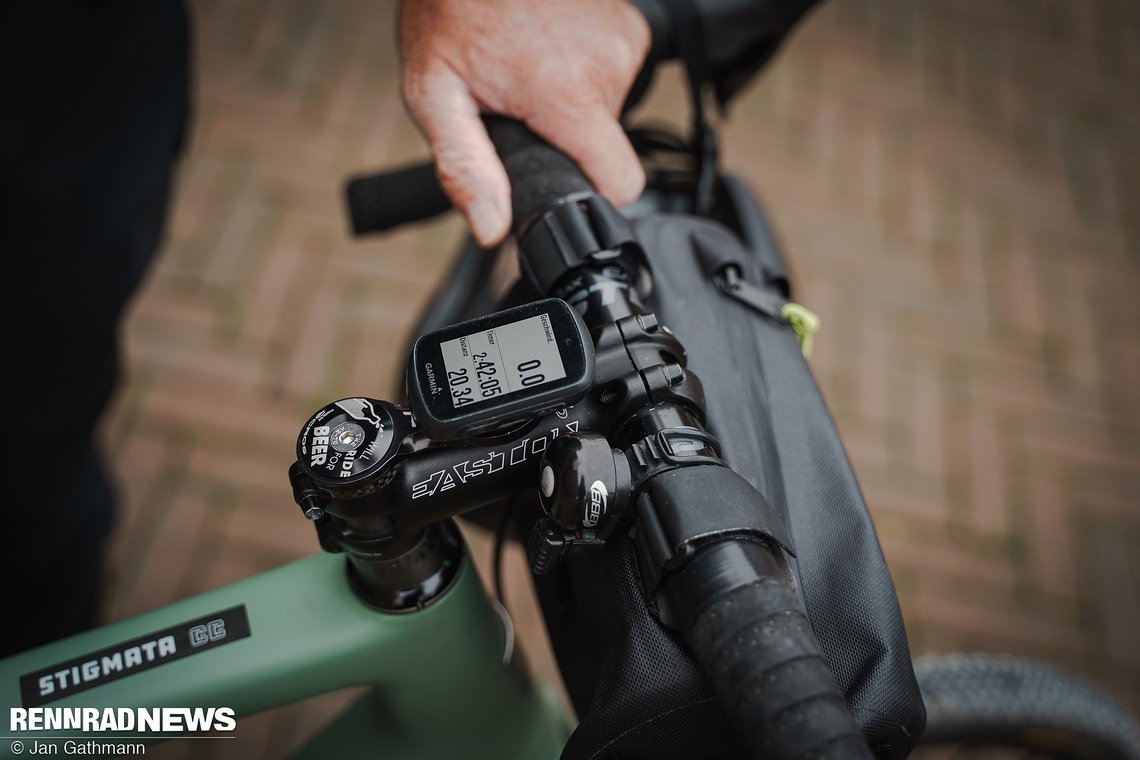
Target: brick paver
955,186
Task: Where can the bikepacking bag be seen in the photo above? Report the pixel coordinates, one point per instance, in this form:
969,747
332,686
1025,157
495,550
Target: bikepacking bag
634,684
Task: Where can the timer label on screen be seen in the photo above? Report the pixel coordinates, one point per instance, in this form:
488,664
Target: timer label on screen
484,365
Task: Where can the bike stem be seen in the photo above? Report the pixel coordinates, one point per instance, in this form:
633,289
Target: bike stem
639,434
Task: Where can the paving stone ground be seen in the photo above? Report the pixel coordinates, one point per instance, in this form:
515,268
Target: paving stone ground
955,186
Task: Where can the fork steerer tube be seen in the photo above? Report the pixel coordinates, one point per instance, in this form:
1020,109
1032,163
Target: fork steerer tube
409,580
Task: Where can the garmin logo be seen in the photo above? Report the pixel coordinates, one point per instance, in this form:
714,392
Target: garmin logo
597,506
433,386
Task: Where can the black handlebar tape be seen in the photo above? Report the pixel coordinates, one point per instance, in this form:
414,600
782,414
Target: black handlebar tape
380,202
541,176
757,648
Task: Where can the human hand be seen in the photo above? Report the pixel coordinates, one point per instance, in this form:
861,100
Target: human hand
564,67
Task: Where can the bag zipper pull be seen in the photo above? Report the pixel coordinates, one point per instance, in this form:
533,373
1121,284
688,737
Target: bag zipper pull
804,322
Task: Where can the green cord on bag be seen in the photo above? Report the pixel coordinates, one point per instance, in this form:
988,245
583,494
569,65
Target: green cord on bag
805,324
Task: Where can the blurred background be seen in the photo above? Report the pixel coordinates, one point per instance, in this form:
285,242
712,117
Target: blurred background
954,184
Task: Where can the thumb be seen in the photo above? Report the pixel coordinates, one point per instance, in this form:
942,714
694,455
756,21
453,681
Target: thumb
469,169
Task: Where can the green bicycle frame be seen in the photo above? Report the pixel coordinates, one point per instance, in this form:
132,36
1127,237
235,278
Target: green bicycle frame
441,688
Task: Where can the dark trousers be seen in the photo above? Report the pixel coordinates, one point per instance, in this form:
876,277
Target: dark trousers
95,105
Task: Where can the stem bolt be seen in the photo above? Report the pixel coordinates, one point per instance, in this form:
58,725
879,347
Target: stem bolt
311,507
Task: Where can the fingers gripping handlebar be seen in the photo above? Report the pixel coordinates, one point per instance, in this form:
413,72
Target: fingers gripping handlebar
538,176
411,194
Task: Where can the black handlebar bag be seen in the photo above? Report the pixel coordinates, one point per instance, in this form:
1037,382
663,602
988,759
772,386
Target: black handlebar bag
636,688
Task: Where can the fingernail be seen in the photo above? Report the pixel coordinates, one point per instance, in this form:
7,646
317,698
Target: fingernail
488,222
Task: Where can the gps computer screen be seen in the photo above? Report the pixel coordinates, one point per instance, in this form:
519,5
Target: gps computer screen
503,359
499,370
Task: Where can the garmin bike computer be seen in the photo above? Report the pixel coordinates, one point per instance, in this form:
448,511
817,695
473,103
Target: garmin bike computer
500,370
